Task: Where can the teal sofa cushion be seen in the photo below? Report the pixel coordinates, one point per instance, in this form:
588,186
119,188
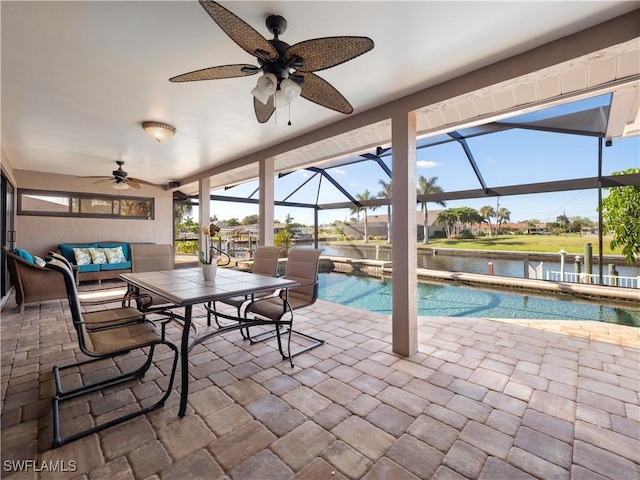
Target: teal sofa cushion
24,254
66,249
89,268
114,266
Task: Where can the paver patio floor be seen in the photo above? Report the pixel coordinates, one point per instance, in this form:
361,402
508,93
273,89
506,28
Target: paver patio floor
486,399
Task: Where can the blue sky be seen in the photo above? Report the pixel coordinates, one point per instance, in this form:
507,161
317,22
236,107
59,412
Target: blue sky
510,157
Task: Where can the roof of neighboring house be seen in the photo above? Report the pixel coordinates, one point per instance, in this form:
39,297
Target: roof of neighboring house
382,219
522,225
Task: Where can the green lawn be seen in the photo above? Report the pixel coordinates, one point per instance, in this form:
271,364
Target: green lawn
572,243
529,243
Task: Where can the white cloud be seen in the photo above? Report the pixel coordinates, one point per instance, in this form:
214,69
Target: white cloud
427,164
337,170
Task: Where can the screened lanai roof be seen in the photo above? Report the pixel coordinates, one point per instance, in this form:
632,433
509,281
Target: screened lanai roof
588,118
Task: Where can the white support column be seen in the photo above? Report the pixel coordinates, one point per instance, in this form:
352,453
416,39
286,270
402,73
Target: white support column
204,205
404,233
266,196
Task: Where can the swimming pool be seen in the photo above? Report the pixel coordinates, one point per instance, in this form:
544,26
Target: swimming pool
374,295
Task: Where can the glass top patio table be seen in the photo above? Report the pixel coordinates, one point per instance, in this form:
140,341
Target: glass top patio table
187,287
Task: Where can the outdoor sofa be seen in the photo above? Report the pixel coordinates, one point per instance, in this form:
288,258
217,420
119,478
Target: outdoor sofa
99,260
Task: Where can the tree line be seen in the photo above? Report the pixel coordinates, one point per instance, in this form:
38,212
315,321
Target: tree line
465,221
621,215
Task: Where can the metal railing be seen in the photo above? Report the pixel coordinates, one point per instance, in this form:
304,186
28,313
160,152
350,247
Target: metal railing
594,279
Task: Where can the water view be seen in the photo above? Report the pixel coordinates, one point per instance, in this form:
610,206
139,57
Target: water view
457,301
503,267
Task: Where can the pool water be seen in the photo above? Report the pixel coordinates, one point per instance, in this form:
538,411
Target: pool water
374,295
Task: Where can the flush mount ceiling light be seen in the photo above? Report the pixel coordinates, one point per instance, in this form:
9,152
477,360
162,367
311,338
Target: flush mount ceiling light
159,131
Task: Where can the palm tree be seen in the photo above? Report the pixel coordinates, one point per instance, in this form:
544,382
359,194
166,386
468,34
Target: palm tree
487,213
364,196
288,219
355,210
449,218
386,193
468,217
181,211
564,221
428,187
503,215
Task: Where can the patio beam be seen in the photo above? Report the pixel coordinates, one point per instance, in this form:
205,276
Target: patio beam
600,219
472,161
335,184
543,187
204,209
540,128
404,298
300,186
531,188
255,201
266,196
379,161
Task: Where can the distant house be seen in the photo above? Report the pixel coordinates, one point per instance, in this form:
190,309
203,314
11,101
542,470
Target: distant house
524,227
279,226
377,226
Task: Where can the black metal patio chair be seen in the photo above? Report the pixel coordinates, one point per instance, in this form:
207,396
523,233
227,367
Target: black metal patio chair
101,336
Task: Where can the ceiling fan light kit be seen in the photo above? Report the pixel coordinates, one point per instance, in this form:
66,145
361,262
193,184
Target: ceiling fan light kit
159,131
287,70
266,86
287,93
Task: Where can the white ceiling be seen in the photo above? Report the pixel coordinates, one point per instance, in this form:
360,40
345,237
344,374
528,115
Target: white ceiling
78,78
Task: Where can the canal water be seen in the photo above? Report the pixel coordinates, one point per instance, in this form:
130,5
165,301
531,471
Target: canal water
451,263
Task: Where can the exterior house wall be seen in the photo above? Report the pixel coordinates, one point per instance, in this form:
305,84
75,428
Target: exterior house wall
40,234
377,225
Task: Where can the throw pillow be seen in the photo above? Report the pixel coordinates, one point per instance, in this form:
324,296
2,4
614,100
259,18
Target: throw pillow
82,255
23,254
97,255
39,261
114,255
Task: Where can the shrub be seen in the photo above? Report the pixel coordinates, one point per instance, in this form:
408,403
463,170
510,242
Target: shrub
190,246
282,239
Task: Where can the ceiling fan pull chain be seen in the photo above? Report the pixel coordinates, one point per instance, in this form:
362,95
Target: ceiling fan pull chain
289,114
